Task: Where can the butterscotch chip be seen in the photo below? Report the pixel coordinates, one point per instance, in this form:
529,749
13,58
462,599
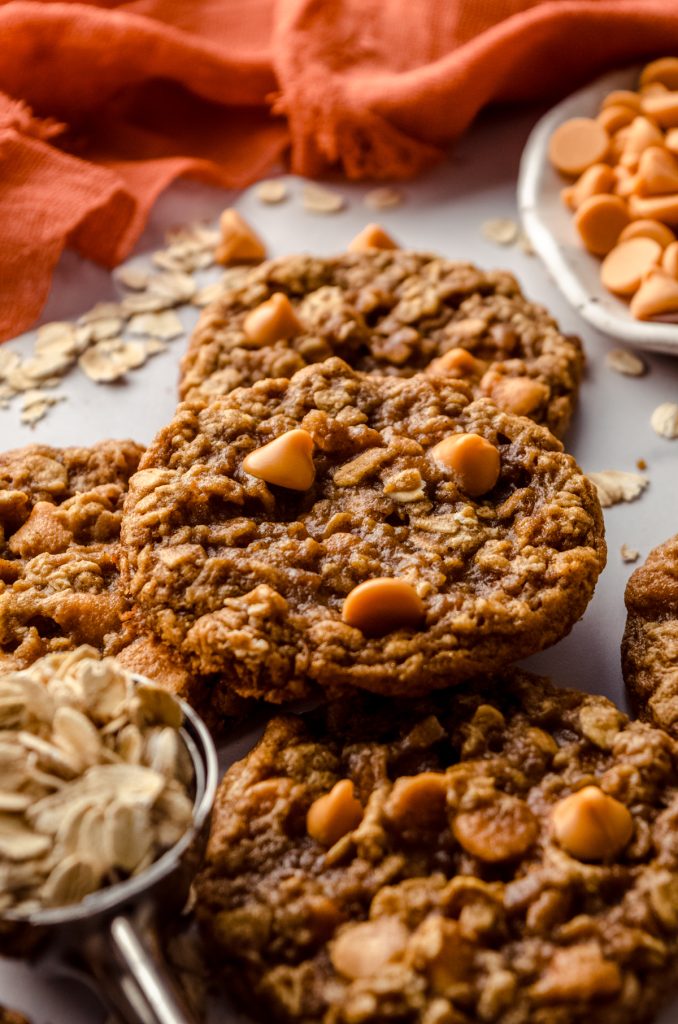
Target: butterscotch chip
418,799
662,108
457,362
653,229
274,320
363,950
372,236
664,71
663,208
600,220
519,395
623,97
596,180
333,815
453,890
657,172
670,260
474,460
615,116
656,296
382,605
248,581
591,825
287,461
239,243
577,144
626,265
503,829
640,135
385,312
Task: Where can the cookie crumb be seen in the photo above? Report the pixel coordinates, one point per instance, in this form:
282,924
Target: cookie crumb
615,486
622,361
501,230
317,199
629,554
664,420
641,464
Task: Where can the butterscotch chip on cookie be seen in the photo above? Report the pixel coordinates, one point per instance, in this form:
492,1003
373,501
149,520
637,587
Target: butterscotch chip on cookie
60,511
505,853
389,312
650,645
256,568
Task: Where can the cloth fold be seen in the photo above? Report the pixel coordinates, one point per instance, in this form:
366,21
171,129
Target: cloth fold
104,103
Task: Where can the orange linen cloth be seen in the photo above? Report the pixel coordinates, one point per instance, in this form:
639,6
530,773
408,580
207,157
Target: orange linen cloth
103,104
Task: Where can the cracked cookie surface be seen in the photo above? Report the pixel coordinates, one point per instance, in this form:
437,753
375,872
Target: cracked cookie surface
248,580
650,644
391,313
449,899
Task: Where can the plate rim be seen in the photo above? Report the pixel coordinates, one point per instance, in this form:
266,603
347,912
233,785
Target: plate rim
657,337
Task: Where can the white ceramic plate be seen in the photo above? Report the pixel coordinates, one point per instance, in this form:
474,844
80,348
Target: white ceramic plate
550,228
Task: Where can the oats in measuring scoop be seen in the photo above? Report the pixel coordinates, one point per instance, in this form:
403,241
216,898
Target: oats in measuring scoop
96,780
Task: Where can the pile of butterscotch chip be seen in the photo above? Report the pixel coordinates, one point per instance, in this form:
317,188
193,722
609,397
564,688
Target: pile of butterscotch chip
625,196
95,779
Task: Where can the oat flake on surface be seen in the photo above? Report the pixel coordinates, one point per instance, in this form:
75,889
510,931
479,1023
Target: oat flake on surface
501,230
615,486
272,191
317,199
383,198
664,420
628,363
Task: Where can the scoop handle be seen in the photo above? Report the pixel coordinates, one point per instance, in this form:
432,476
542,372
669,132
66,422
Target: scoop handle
132,979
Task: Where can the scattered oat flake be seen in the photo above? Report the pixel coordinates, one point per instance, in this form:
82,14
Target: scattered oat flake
158,325
524,244
616,485
101,367
622,361
46,364
664,420
208,294
102,311
133,278
629,554
145,302
154,346
501,230
317,199
9,361
383,198
273,191
174,285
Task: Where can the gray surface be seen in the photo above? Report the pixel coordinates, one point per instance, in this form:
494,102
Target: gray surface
444,212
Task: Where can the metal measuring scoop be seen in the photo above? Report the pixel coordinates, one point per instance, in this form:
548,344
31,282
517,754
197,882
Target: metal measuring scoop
111,934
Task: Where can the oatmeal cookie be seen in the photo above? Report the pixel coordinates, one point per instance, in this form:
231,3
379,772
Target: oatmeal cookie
393,312
650,645
504,852
60,512
261,582
12,1017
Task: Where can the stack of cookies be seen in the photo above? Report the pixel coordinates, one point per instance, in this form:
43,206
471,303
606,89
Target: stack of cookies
362,499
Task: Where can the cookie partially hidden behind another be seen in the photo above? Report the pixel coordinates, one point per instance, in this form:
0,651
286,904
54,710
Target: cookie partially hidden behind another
504,852
650,645
387,312
344,529
60,514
